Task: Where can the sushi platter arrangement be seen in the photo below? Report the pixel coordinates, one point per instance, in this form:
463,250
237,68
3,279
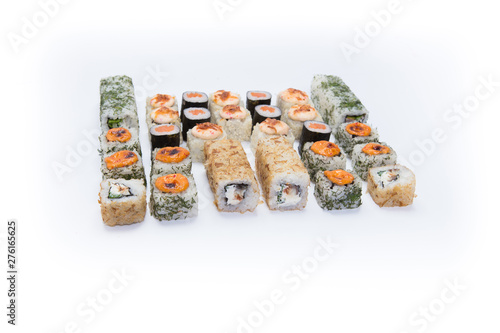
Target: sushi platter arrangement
210,129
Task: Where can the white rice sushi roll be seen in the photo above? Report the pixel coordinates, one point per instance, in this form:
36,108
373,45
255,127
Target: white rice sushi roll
297,115
352,134
118,106
161,100
120,138
168,135
314,131
322,156
122,201
235,120
371,155
263,112
171,160
197,136
194,99
268,128
257,97
391,185
337,189
193,116
231,177
125,164
290,97
221,98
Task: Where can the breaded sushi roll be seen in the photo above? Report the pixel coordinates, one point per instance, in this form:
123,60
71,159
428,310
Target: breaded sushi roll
122,201
120,138
391,185
290,97
337,189
173,197
118,107
197,136
221,98
171,160
235,120
371,155
322,156
282,175
297,115
268,128
351,134
230,176
257,97
336,102
125,164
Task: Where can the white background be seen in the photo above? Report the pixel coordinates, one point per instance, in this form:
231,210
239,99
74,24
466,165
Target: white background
203,275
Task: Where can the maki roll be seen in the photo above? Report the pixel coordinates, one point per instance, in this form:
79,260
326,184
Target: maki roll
118,107
194,99
336,102
122,201
221,98
173,197
230,176
125,164
297,115
165,136
337,189
171,160
192,116
263,112
255,98
282,176
351,134
373,154
235,120
267,128
197,136
163,115
291,97
314,131
391,185
120,138
321,156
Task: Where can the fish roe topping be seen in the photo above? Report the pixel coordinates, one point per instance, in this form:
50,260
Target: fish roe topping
358,129
294,96
375,149
274,126
302,112
207,131
172,154
196,112
339,177
232,112
325,148
162,100
119,134
173,183
222,98
164,115
121,159
194,95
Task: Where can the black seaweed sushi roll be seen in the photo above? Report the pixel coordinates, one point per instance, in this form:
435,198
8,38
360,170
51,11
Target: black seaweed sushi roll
262,112
255,97
314,131
192,117
167,135
194,99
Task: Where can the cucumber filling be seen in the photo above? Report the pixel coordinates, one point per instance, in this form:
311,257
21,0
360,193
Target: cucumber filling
118,190
351,119
114,123
235,193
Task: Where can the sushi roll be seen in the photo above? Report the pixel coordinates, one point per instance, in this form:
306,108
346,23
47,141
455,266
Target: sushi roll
283,178
230,176
263,112
235,120
267,128
118,107
290,97
122,201
337,189
173,197
351,134
194,99
165,136
314,131
321,156
391,185
197,136
126,164
221,98
192,116
171,160
161,100
336,102
297,115
120,138
163,115
255,98
370,155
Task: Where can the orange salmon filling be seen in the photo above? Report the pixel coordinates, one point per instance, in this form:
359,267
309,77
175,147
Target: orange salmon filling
121,159
165,128
358,129
268,109
196,112
173,183
375,149
325,148
172,154
317,126
119,134
258,94
191,95
339,177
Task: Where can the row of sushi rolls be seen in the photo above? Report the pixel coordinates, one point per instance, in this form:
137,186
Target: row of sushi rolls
331,126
